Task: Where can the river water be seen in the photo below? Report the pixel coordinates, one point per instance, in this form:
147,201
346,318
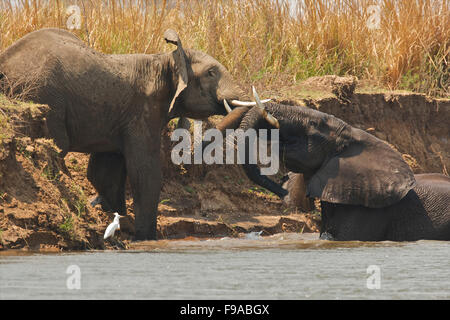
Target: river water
283,266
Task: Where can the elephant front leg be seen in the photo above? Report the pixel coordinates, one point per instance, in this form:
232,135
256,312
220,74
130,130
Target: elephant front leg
144,172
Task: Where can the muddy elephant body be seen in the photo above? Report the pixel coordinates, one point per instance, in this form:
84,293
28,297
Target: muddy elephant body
115,106
424,213
366,189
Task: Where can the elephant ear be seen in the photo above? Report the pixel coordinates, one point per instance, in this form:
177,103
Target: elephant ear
367,172
179,56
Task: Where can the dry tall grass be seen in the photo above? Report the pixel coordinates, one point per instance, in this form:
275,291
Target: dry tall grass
267,42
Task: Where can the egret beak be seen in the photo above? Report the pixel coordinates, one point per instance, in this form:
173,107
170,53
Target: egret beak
271,119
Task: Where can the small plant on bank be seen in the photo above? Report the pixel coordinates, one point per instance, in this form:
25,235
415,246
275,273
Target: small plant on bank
4,126
189,189
51,173
164,201
80,199
259,190
23,150
67,226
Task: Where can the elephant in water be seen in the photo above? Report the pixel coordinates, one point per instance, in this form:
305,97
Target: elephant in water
367,191
115,106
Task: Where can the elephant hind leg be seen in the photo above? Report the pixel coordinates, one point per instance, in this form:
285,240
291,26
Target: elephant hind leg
107,173
56,124
445,235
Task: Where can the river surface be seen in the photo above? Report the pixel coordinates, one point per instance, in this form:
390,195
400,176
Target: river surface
283,266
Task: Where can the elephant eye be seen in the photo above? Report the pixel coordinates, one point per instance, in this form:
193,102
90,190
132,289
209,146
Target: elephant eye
211,72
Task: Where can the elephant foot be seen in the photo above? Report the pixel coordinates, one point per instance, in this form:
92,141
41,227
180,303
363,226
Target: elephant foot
142,235
326,236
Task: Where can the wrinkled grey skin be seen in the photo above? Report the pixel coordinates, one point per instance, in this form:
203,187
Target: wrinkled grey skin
115,106
424,213
367,191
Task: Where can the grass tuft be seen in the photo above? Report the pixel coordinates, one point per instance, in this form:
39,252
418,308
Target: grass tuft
80,199
67,226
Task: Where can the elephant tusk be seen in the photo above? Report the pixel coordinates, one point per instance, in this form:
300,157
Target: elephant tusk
239,103
257,100
270,118
227,106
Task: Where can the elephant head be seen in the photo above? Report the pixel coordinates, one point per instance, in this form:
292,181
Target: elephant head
341,164
202,83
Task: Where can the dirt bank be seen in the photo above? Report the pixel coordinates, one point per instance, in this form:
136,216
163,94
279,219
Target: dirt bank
43,207
417,126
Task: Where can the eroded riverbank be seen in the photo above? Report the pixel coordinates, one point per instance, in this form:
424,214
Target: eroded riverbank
45,207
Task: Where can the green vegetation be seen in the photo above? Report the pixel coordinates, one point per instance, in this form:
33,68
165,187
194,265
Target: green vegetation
67,225
75,165
22,149
80,199
260,190
51,173
189,189
3,127
164,201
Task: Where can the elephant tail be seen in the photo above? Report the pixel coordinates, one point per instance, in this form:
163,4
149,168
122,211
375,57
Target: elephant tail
2,82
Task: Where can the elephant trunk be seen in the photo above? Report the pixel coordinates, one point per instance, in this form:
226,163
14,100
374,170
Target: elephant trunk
231,121
254,119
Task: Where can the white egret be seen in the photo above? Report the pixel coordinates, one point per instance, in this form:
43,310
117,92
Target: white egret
115,225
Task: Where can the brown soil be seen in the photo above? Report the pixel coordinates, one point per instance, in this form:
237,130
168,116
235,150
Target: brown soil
42,207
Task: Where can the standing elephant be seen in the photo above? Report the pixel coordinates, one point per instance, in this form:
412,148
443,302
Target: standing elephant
367,191
115,106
